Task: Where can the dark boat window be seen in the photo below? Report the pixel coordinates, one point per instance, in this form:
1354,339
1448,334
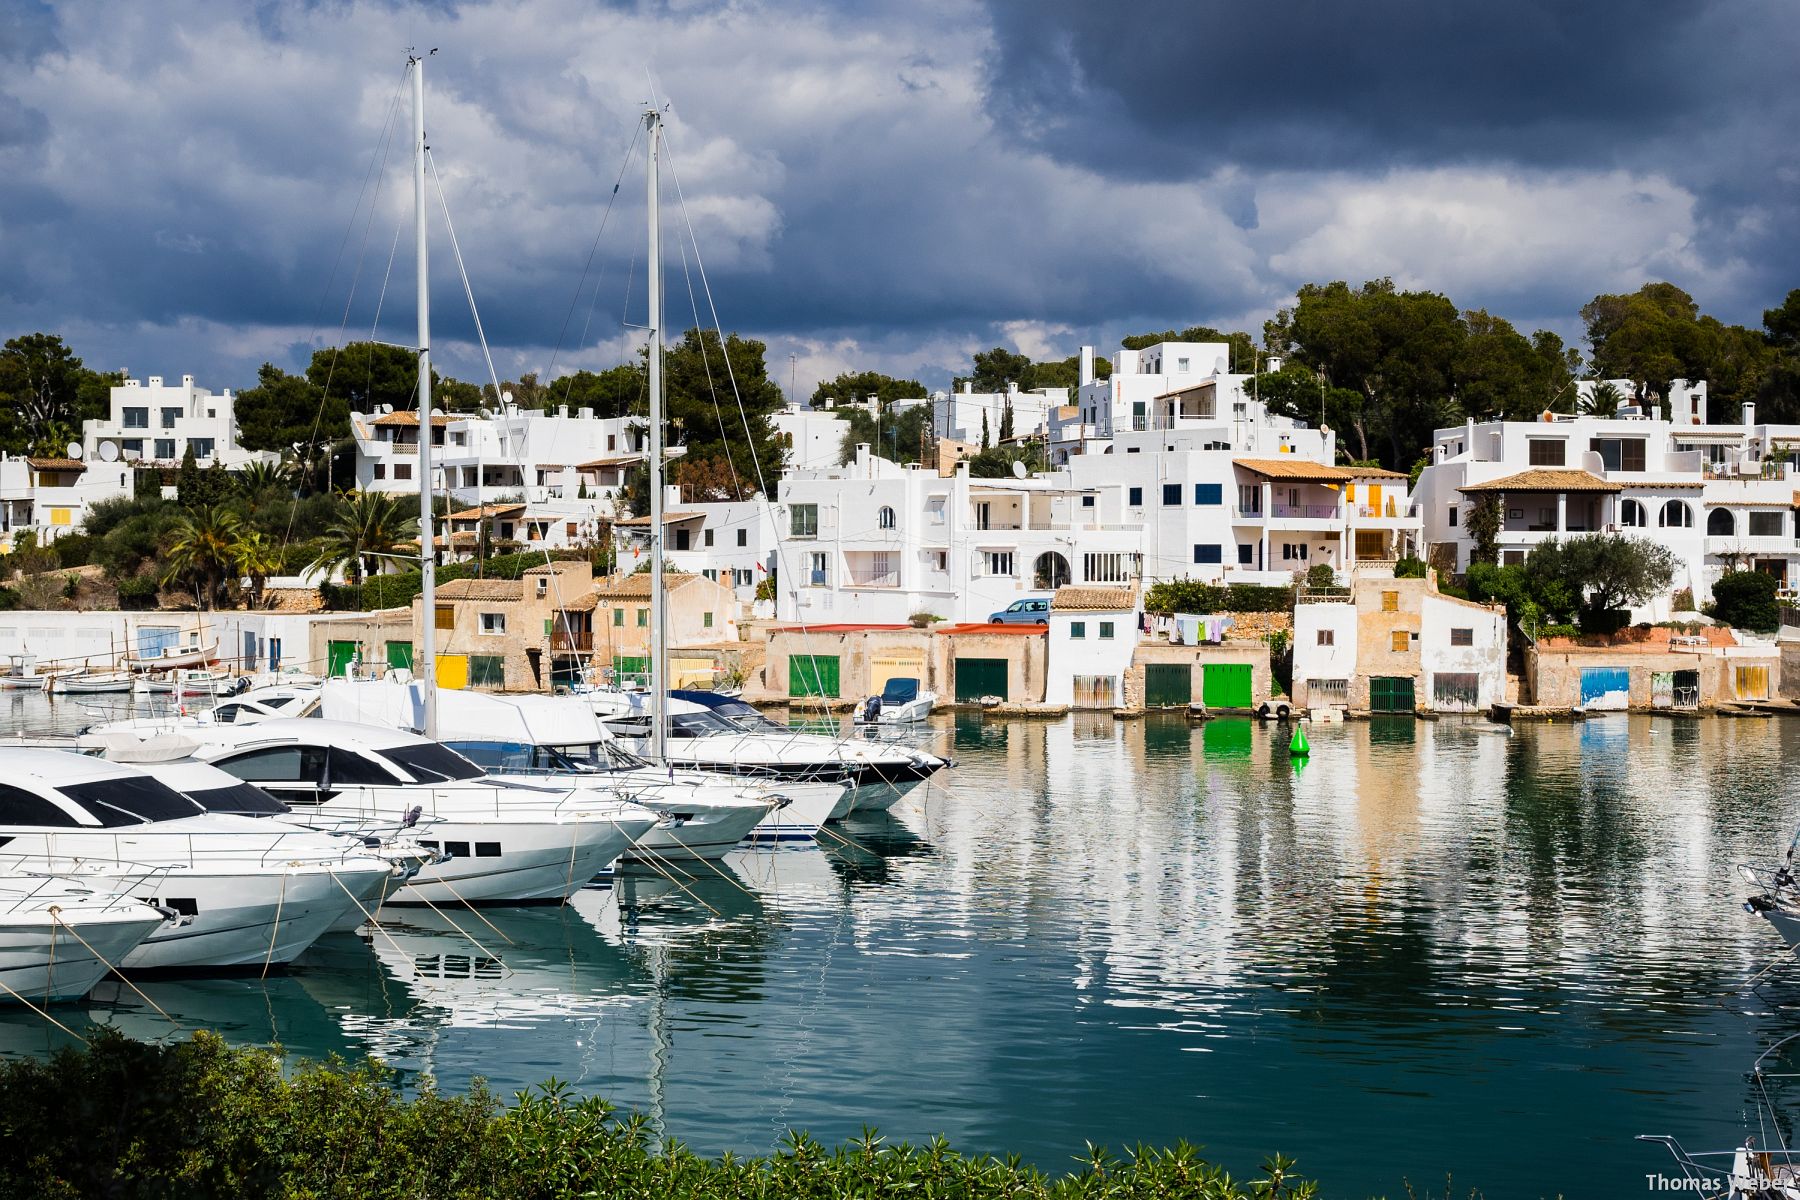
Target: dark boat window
350,769
242,799
429,762
496,757
115,802
20,807
277,764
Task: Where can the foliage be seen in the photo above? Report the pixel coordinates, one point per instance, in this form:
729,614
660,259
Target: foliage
1604,572
196,1118
1193,596
1658,333
921,619
1241,358
705,416
1409,568
45,394
900,436
615,392
368,525
1746,600
1481,521
202,550
857,387
765,588
1321,575
72,549
996,462
138,592
995,369
399,590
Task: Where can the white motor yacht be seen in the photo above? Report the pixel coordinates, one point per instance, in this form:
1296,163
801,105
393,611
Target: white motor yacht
709,731
256,893
61,934
506,841
704,815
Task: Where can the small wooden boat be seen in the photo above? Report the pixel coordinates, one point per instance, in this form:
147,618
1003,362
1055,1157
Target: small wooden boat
193,683
171,657
92,683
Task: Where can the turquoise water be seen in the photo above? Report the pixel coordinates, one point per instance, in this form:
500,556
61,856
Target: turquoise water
1431,951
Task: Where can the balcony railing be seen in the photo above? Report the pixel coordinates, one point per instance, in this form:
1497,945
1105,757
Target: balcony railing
889,579
1309,512
571,641
1768,468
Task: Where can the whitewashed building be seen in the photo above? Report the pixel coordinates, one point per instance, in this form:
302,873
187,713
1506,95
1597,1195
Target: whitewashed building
730,543
815,436
1093,634
156,424
1720,496
50,497
964,415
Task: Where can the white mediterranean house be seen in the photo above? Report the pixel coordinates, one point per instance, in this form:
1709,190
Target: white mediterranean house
730,543
49,497
1093,634
156,424
814,436
1207,485
963,415
1720,496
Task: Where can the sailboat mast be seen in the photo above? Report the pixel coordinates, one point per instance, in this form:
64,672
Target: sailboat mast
659,646
427,547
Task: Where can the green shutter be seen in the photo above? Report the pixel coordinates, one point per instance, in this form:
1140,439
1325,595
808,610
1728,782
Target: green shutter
1390,693
338,657
1226,685
813,675
400,654
979,678
631,668
1168,685
487,670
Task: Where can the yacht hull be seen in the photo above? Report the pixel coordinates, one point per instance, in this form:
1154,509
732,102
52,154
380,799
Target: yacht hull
44,964
248,920
529,862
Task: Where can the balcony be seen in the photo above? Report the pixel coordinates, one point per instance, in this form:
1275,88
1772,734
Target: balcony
571,641
1306,512
1768,468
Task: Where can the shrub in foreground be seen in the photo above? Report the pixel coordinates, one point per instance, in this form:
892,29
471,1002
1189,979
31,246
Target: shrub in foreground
198,1118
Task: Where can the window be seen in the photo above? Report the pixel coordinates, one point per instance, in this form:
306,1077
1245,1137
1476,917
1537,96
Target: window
803,520
1675,515
1547,452
1171,493
494,623
20,807
165,447
1631,514
1249,498
1181,365
239,799
1462,637
709,537
1087,502
1104,567
885,518
1327,637
202,447
1290,551
819,569
115,802
543,586
277,764
346,768
169,417
381,470
402,470
1390,602
428,762
1209,552
446,617
684,539
487,670
1453,516
1246,554
1401,641
1106,630
997,562
132,446
1209,493
1134,496
571,529
643,617
618,617
137,418
1766,524
743,537
706,620
1077,630
1720,523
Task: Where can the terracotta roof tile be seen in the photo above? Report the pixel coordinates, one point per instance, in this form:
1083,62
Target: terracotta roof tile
57,464
481,589
1305,470
438,420
1094,599
637,586
1545,479
486,510
668,518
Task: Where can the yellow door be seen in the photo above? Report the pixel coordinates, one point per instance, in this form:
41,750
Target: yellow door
692,672
453,670
60,516
897,666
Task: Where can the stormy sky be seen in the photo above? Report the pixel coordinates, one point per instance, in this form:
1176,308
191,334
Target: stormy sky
198,187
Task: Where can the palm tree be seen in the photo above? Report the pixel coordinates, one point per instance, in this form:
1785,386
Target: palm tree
1603,401
257,556
201,550
259,477
367,525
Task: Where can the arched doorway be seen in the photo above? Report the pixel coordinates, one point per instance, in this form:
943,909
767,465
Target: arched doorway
1052,571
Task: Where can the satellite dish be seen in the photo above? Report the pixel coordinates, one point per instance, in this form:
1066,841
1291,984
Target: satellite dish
74,449
1018,469
109,452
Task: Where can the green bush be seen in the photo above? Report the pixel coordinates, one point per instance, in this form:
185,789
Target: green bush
1409,568
138,592
1321,575
10,599
1193,596
72,549
1746,600
196,1118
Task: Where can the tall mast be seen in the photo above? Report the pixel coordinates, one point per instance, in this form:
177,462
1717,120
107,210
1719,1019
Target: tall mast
659,645
427,546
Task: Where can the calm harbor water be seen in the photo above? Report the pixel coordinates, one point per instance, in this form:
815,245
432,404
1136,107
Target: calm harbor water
1431,950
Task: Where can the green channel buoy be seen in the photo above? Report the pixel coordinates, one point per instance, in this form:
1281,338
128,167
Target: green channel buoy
1298,746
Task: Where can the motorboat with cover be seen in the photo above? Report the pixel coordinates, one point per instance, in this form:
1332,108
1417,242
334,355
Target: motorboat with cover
60,934
712,732
255,892
505,841
901,703
704,815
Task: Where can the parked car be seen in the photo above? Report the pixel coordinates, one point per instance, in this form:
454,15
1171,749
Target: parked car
1023,612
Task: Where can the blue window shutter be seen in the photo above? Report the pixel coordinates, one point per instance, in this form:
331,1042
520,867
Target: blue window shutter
1171,493
1209,493
1212,553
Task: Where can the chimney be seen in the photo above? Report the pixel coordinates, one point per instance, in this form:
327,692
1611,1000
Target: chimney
1087,365
1749,415
968,387
562,410
1274,363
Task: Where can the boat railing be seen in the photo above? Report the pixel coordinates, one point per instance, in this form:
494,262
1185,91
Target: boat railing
41,877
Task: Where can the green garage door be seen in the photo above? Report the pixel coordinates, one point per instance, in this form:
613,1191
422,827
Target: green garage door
1168,685
338,657
631,668
1390,693
400,654
813,675
1226,685
978,678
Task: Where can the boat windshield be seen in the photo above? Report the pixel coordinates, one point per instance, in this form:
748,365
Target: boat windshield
115,802
244,800
700,724
428,762
746,717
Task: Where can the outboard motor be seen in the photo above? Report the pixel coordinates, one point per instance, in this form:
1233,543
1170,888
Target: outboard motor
871,712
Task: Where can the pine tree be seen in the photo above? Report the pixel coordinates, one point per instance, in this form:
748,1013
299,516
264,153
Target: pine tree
984,430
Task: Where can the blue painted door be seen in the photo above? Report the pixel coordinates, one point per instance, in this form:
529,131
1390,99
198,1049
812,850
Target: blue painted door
1605,687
